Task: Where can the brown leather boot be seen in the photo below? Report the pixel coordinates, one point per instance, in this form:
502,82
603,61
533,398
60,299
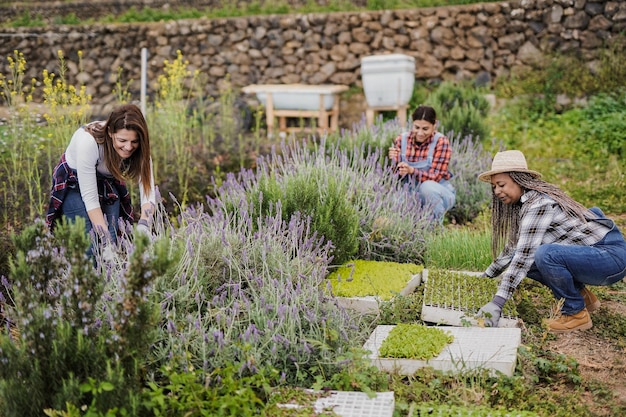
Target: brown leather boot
591,301
565,323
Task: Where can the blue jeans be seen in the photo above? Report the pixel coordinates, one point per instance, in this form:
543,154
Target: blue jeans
73,207
440,196
565,269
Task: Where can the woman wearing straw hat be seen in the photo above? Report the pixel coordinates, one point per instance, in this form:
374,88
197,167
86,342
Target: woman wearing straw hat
551,238
422,156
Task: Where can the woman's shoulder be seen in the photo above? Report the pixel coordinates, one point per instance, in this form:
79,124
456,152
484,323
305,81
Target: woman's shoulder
534,198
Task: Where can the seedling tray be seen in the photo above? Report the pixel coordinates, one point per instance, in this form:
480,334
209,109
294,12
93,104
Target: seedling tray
370,304
353,404
494,349
455,310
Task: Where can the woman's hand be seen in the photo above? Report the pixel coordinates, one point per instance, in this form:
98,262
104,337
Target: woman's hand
405,169
393,153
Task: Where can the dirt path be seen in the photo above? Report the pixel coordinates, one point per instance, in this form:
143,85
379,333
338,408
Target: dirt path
599,358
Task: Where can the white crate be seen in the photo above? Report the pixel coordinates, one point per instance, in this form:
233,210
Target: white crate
454,316
494,349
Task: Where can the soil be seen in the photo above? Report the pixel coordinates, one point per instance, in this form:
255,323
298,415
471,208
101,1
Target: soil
599,358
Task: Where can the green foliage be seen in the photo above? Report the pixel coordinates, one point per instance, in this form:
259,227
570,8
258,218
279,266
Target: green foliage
439,410
311,191
461,108
361,278
357,373
414,341
249,8
455,248
564,74
548,367
67,332
461,291
26,20
604,129
224,392
402,308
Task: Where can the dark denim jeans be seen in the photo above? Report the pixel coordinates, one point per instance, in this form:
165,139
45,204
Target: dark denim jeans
565,269
73,206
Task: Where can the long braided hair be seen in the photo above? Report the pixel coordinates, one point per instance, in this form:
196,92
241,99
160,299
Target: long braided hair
505,218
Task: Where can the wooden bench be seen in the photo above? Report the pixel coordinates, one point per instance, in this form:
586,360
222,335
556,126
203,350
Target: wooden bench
282,101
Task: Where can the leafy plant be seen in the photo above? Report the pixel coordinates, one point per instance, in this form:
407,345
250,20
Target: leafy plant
604,130
461,109
69,330
360,278
461,291
414,341
194,393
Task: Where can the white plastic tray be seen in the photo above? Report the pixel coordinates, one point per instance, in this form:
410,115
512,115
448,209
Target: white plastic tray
494,349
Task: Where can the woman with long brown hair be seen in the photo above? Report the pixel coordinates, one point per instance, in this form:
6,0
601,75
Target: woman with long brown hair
89,181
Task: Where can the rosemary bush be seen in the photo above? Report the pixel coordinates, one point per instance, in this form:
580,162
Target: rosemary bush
72,329
461,109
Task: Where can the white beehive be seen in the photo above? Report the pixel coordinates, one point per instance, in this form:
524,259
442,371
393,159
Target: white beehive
388,79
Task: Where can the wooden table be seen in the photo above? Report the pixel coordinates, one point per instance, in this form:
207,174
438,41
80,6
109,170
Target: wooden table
282,101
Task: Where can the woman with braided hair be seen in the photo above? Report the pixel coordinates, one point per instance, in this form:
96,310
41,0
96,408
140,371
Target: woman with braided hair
546,235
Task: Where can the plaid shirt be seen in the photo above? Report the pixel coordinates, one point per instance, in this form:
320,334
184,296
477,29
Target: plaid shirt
109,189
416,151
542,221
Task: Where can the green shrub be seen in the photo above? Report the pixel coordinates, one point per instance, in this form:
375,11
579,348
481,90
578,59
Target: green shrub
604,127
69,332
315,192
461,109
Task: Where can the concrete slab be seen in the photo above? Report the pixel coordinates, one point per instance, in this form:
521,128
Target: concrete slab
494,349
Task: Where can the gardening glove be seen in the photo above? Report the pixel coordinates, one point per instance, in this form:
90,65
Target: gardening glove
108,252
143,228
491,311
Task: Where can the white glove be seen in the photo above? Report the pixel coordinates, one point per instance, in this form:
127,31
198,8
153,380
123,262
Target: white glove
143,228
108,252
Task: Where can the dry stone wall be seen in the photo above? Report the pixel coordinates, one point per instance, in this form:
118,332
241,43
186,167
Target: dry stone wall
481,40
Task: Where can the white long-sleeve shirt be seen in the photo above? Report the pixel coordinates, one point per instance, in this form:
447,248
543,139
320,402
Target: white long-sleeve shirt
87,157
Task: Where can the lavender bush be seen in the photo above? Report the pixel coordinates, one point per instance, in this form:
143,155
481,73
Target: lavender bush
468,161
391,223
251,294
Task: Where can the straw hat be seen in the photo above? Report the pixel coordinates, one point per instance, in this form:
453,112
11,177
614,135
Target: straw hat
508,161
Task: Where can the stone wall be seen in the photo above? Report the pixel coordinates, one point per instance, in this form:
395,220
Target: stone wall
486,40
